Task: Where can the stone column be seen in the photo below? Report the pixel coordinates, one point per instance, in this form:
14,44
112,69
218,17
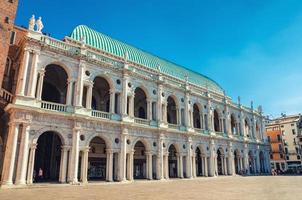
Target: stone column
10,154
33,82
89,96
149,167
258,163
131,106
80,84
69,91
112,101
165,113
124,96
189,159
186,115
167,166
31,164
149,109
40,84
63,165
23,156
206,166
24,72
181,166
159,104
179,116
212,159
122,155
194,166
109,169
160,161
75,155
131,165
225,166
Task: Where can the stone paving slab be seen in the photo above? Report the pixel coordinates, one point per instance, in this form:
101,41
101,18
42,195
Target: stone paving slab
241,188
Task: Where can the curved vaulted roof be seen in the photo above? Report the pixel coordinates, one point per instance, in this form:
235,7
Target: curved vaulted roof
105,43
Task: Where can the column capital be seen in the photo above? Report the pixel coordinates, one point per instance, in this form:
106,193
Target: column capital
112,91
33,146
109,151
70,80
65,147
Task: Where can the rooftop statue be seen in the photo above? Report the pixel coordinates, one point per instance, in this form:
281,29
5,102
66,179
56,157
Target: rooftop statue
39,24
31,24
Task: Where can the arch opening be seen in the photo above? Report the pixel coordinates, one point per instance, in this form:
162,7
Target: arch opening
237,161
173,162
171,111
233,124
97,159
220,162
247,127
196,116
48,157
139,161
198,161
55,84
140,104
216,121
100,95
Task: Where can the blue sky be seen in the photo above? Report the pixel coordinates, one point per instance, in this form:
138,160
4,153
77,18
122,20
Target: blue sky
253,49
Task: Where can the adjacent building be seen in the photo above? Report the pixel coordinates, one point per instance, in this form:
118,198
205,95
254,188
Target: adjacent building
7,67
91,107
284,137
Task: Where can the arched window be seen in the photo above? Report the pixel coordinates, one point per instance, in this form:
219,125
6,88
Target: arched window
247,127
140,104
196,116
233,124
171,111
216,121
100,95
55,84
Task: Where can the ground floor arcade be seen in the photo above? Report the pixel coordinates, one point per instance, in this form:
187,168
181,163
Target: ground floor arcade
38,152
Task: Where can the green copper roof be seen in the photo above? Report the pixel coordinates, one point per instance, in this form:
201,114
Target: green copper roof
117,48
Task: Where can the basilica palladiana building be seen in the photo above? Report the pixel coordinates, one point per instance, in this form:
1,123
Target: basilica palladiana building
92,108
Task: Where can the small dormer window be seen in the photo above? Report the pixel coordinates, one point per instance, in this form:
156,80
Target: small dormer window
11,1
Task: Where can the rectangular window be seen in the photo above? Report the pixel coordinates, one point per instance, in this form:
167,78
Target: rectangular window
279,138
280,147
128,102
84,97
281,155
282,126
116,103
269,138
286,151
292,124
12,37
294,131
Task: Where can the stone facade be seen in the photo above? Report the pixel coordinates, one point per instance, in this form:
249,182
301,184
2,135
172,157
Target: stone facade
149,125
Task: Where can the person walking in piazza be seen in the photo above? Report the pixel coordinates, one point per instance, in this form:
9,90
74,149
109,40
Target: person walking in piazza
40,174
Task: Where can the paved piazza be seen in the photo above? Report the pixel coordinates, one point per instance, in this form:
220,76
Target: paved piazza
277,187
